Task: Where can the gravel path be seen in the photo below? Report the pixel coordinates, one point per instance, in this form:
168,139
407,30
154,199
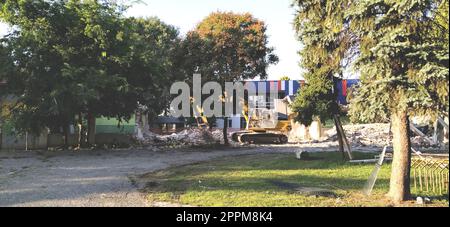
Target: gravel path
91,178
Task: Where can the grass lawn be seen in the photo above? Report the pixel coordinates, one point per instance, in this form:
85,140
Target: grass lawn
272,180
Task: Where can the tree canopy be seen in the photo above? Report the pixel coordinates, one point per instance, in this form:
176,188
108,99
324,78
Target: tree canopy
327,42
226,47
400,51
68,58
404,72
403,64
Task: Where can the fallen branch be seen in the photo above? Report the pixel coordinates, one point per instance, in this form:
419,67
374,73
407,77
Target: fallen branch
420,133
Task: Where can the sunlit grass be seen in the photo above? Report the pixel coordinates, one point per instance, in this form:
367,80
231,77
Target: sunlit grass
271,180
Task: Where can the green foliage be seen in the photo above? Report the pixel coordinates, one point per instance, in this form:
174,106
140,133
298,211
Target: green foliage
67,58
226,47
285,78
402,50
142,57
323,30
440,27
403,66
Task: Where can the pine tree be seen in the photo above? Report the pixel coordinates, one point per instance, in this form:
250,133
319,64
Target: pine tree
404,72
327,49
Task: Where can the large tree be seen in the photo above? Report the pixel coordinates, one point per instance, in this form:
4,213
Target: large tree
142,58
227,47
76,59
46,92
327,50
404,72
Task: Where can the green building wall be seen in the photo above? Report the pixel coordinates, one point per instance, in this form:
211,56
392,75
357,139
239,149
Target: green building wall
105,125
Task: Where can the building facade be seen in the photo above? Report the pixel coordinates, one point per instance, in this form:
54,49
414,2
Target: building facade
285,88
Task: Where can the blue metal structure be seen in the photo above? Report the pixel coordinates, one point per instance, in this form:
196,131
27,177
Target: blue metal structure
291,87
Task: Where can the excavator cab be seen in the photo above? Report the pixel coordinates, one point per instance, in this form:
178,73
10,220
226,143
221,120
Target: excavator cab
265,125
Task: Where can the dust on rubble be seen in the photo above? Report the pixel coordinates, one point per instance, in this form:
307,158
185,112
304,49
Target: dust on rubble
192,137
374,135
359,135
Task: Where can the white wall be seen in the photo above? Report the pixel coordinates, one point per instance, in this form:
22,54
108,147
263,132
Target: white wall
236,122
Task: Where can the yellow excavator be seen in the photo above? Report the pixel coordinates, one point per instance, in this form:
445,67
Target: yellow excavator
266,126
202,121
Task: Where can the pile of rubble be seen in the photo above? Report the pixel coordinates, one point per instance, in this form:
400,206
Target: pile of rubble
368,135
189,137
186,138
373,135
362,135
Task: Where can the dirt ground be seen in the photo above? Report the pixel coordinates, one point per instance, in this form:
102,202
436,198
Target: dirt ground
103,178
92,178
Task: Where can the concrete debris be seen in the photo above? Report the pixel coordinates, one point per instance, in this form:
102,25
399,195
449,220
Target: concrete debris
302,155
185,138
420,201
423,201
372,135
192,137
359,136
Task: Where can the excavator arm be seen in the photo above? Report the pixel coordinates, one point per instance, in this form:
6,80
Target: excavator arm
204,120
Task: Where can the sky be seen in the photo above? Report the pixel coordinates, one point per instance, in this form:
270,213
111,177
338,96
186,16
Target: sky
277,14
3,29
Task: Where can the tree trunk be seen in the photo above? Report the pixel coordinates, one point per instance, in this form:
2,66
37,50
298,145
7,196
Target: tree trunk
91,130
225,131
79,131
341,144
399,190
339,136
66,135
343,141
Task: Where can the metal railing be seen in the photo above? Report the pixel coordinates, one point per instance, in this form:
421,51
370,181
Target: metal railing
430,174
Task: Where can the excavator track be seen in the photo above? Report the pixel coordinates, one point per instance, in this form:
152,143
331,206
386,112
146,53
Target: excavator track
259,138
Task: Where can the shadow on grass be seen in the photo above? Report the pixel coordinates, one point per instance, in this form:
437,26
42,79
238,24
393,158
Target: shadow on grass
327,174
315,161
260,184
262,173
